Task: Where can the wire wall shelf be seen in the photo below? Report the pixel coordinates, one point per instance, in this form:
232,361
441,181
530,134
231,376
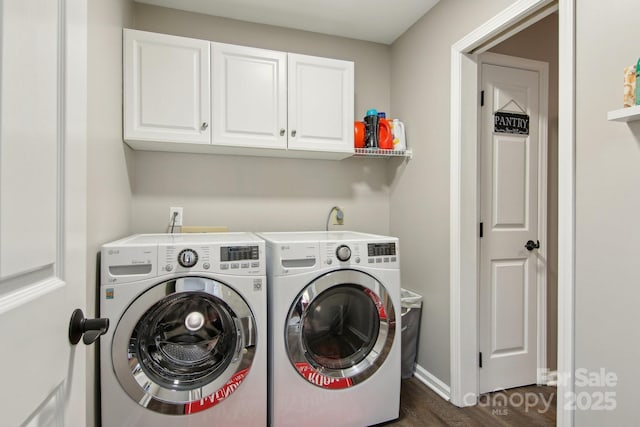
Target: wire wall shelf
378,152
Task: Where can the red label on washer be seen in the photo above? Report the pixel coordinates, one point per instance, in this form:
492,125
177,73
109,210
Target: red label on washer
314,377
217,397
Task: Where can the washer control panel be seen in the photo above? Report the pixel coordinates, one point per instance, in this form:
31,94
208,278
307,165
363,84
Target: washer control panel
236,259
143,256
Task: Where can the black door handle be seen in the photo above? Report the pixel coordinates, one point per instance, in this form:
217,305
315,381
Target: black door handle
89,329
531,245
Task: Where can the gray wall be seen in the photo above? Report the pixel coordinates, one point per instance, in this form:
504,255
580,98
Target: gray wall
420,87
607,206
108,160
540,42
252,193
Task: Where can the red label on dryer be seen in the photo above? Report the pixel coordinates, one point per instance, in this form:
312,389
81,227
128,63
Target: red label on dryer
381,311
314,377
217,397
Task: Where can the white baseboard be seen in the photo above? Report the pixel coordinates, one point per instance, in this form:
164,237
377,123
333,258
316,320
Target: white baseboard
433,382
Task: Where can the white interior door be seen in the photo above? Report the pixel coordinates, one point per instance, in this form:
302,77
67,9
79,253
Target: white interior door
509,272
42,209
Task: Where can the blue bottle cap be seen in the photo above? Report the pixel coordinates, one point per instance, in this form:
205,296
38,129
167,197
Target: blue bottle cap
372,112
382,114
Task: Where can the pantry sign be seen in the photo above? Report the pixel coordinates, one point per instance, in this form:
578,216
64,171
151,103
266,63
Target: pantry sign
512,123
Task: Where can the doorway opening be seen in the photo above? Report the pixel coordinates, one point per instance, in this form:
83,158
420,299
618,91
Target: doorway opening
465,198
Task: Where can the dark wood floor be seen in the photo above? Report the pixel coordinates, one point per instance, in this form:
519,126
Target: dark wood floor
525,406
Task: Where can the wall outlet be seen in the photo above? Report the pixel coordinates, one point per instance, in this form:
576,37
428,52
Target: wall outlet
178,221
338,217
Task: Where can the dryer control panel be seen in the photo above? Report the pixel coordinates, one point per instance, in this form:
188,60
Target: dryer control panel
297,253
378,254
295,257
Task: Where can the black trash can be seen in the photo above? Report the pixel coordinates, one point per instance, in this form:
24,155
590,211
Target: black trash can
411,308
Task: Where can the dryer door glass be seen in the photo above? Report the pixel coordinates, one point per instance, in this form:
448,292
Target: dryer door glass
184,345
340,329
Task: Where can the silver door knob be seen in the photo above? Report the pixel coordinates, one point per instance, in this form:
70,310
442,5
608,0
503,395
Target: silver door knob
205,125
293,133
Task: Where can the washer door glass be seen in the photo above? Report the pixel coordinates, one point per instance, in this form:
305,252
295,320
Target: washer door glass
185,340
340,329
184,345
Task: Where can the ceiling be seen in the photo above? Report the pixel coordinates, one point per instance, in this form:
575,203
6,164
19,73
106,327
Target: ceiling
380,21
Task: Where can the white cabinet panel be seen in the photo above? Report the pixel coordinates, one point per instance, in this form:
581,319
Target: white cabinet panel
321,100
249,96
167,88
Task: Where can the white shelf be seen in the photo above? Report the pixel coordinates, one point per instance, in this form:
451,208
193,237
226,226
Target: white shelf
378,152
629,114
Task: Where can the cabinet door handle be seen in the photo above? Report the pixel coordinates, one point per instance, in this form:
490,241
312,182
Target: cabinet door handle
293,133
205,125
282,131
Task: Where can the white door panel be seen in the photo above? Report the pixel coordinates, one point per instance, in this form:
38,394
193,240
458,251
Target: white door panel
509,212
28,160
511,184
249,96
509,309
42,209
167,88
321,99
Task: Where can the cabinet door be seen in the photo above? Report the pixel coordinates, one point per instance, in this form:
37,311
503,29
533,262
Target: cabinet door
167,88
320,104
249,96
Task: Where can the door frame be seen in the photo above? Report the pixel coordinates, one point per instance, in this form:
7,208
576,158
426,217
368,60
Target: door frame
75,85
464,197
541,265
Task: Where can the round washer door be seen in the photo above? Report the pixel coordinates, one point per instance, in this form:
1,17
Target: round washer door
184,345
340,329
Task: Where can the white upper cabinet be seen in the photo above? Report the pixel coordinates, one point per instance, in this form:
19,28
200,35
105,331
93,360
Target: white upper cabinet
192,95
249,96
167,92
320,104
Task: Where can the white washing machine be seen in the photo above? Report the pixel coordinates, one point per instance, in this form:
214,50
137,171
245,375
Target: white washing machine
188,339
334,328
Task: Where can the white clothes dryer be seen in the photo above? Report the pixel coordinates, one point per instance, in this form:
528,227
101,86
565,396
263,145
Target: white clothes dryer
334,328
188,339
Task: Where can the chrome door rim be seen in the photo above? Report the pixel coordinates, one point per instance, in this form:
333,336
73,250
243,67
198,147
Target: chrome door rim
293,330
148,393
